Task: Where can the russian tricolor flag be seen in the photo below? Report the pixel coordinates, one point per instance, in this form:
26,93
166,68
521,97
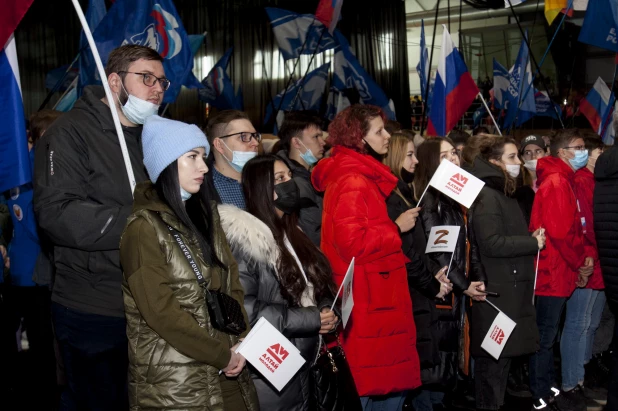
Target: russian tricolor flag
328,12
595,104
453,91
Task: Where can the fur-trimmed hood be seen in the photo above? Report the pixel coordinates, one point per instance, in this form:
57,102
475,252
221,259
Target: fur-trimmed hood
248,236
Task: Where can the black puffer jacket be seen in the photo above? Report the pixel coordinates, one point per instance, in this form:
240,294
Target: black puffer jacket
507,254
422,284
606,218
255,250
82,199
438,210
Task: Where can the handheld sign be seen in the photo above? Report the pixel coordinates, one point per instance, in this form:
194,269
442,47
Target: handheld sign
498,334
347,298
271,354
456,183
442,238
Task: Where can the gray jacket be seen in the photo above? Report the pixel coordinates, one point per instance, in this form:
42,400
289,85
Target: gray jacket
256,252
310,215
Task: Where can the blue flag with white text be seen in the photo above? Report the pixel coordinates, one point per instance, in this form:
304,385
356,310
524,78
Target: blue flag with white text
518,112
600,26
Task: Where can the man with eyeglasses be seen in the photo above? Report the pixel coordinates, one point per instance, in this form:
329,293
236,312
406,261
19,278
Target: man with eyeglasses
564,267
234,142
82,198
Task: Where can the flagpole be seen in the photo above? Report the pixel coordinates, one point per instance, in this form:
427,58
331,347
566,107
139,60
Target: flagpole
108,94
490,114
301,85
285,90
433,41
534,59
538,71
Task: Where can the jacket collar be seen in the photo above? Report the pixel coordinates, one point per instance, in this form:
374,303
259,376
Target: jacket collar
550,165
346,161
91,102
146,197
248,235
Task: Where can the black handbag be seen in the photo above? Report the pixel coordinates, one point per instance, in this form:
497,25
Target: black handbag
333,384
224,311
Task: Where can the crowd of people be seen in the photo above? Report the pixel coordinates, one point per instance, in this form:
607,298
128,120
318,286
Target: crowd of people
131,281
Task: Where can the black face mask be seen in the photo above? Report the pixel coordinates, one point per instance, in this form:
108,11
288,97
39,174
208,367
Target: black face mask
372,152
407,176
288,197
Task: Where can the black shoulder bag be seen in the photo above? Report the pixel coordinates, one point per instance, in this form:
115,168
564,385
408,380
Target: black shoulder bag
224,311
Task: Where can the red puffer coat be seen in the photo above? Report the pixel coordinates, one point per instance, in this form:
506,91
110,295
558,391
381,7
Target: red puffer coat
555,210
380,338
584,188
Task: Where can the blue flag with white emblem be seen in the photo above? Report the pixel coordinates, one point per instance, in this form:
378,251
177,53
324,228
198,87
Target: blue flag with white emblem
298,34
502,82
520,110
218,89
348,73
304,94
151,23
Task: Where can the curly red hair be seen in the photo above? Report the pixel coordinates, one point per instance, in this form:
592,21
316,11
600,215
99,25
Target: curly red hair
352,124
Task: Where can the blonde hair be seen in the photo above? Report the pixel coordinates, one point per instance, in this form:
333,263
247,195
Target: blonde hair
398,148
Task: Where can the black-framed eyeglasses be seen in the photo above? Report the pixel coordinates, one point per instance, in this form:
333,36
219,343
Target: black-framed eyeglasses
151,79
575,148
246,136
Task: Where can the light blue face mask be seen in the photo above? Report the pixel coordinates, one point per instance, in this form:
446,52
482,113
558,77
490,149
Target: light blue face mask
580,160
239,158
184,194
308,156
137,110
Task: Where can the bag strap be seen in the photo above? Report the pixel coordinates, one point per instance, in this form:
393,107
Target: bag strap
187,253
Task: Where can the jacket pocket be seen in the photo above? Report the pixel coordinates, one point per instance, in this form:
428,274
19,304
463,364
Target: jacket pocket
381,290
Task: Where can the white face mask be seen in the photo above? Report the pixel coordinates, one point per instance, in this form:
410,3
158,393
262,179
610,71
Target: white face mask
530,164
513,170
184,194
239,158
137,110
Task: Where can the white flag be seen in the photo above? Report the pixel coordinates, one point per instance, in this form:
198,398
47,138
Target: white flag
442,238
456,183
498,335
273,355
347,298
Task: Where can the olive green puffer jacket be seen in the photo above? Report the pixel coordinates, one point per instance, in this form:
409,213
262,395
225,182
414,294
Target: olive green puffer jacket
175,354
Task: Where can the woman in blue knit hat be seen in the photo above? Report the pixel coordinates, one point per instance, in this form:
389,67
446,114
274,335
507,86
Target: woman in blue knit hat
175,257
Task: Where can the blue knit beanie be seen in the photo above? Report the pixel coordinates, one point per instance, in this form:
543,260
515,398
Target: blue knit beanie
164,141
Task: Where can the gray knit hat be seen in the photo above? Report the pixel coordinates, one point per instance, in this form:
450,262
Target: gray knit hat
165,140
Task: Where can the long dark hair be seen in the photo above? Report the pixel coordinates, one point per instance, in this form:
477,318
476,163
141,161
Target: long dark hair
429,152
492,148
195,213
258,183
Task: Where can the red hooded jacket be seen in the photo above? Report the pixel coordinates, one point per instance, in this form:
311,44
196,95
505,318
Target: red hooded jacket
555,210
584,189
380,337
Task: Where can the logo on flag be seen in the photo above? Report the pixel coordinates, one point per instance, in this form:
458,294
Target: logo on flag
518,112
442,239
456,183
218,89
272,355
502,82
497,335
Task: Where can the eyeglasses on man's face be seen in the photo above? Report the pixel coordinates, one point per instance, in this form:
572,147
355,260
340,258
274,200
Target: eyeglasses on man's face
246,136
151,79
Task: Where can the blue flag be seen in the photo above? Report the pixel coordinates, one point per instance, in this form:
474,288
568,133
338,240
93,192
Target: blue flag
502,82
304,94
88,73
348,73
518,112
151,23
15,167
423,65
479,115
218,89
545,106
298,34
600,26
